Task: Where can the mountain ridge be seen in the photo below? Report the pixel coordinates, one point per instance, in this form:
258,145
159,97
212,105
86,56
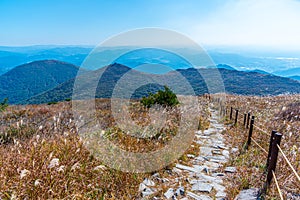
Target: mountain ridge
236,82
32,78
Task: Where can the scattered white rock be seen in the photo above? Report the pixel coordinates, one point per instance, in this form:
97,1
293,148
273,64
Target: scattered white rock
99,167
147,192
190,156
220,194
169,193
230,169
53,163
61,168
148,182
234,150
176,170
75,166
156,175
142,187
37,182
179,191
24,173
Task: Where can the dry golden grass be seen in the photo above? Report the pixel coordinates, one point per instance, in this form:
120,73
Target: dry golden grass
42,156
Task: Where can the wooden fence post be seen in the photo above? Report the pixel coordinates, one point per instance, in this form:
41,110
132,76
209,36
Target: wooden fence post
230,117
250,132
270,148
236,116
248,119
245,118
273,161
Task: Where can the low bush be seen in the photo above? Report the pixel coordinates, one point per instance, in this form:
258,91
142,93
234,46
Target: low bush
4,104
164,97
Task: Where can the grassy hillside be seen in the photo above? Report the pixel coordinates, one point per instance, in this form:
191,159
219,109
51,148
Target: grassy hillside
34,136
30,79
236,82
38,135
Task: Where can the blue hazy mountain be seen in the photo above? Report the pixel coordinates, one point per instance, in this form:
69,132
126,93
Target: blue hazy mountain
152,60
258,71
245,60
30,79
11,57
221,66
235,82
297,78
288,72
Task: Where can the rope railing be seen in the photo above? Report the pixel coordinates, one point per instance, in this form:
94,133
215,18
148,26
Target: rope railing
277,186
261,130
289,163
255,142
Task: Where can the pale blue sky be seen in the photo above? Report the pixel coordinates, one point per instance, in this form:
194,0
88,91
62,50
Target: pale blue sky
212,22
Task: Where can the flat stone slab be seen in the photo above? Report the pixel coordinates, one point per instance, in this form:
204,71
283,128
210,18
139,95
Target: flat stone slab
147,192
206,151
148,182
184,167
218,187
230,169
198,197
202,187
221,194
176,170
217,152
225,153
249,194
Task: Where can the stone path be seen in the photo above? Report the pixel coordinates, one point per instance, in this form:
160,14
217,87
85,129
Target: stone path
203,179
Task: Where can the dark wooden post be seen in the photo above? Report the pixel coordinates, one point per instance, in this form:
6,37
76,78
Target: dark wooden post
248,120
250,132
270,148
236,116
245,118
273,161
230,117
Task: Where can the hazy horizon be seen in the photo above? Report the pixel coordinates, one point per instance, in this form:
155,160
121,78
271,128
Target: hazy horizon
247,23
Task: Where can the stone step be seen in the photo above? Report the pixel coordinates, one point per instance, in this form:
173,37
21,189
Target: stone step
249,194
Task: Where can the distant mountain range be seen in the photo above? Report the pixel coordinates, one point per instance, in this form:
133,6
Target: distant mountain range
237,82
51,80
30,79
288,72
285,64
297,78
11,57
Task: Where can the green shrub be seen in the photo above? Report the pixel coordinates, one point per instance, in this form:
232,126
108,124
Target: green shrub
163,97
3,104
52,102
